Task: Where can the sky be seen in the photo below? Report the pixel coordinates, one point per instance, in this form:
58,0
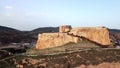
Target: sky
31,14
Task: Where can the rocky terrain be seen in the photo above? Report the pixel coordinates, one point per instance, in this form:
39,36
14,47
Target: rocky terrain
67,34
84,54
92,58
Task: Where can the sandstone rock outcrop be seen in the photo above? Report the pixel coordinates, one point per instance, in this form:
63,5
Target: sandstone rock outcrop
49,40
98,35
64,29
66,34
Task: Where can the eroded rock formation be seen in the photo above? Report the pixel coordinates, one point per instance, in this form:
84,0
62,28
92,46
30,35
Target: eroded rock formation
64,29
66,34
98,35
48,40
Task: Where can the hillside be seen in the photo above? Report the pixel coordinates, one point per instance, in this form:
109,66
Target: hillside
114,30
115,36
8,29
87,57
72,55
10,35
37,31
46,29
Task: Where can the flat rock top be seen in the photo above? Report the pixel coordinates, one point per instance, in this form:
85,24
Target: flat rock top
89,28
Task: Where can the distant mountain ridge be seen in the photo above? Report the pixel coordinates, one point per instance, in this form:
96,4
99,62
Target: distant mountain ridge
46,29
8,35
114,30
4,28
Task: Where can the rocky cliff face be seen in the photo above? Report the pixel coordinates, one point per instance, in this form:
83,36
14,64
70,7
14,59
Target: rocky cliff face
98,35
66,34
49,40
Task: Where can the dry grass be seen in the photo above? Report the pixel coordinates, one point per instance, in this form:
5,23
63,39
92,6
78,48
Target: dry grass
67,48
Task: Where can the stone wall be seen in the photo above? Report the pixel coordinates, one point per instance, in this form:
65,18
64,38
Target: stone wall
66,34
